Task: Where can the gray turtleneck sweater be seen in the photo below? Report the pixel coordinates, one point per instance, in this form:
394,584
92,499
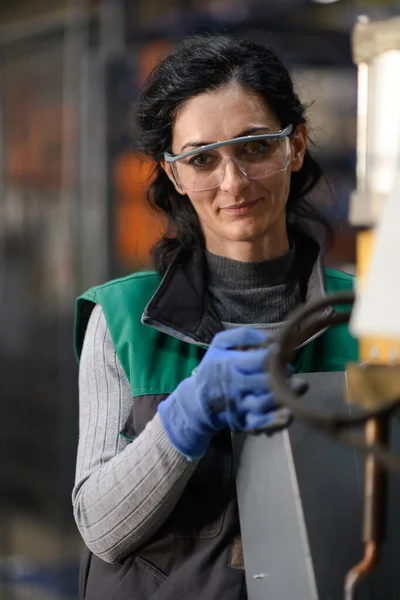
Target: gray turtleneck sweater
124,491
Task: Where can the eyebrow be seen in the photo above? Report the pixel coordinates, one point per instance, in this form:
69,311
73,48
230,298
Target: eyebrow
241,134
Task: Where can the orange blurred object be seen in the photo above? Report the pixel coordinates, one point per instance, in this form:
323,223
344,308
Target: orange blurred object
138,227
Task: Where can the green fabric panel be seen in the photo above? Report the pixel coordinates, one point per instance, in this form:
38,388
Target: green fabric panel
154,363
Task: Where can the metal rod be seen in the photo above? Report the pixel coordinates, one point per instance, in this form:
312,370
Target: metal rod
368,562
375,502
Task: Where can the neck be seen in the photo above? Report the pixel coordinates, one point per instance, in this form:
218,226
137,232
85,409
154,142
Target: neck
266,248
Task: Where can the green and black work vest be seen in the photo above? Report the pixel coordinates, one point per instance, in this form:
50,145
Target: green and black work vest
160,329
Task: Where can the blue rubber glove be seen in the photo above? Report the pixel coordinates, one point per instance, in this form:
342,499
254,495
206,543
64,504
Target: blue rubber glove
230,388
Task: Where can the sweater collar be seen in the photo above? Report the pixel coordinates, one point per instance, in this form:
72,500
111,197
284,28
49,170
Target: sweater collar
226,272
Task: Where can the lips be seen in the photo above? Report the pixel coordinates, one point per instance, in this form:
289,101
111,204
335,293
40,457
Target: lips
243,207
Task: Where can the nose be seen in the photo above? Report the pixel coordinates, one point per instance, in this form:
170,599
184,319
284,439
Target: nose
234,181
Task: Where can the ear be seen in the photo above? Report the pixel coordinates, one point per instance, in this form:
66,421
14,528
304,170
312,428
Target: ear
167,168
298,142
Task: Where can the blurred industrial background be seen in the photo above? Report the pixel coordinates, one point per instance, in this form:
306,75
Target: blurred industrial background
73,214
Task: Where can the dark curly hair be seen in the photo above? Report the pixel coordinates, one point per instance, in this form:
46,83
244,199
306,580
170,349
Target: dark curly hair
204,63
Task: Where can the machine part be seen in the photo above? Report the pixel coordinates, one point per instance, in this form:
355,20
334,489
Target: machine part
361,570
375,203
376,51
371,385
375,490
375,502
332,424
372,349
371,38
281,353
376,310
381,398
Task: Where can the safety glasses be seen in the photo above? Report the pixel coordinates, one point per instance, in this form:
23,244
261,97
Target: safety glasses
255,156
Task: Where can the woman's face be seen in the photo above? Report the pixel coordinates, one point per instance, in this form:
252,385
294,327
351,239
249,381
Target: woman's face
242,218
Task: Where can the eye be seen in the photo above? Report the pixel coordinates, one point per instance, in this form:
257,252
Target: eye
201,160
256,147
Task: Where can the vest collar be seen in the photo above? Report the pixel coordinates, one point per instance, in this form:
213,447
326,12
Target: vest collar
181,305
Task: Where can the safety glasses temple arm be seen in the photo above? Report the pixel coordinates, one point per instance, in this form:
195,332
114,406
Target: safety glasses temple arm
246,138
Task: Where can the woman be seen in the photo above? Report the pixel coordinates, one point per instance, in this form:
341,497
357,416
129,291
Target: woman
162,375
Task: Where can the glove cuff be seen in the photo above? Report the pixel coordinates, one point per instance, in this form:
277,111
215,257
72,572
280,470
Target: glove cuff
190,441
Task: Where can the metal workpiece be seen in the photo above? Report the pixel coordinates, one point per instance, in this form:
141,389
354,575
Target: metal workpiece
276,549
371,387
